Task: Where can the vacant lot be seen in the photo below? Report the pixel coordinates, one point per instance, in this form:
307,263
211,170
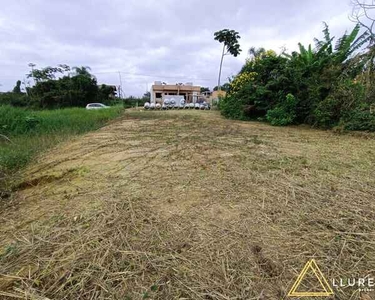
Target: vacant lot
188,205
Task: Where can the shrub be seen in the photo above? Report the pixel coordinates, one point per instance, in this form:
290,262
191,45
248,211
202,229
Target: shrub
359,120
284,113
327,113
344,98
231,107
14,99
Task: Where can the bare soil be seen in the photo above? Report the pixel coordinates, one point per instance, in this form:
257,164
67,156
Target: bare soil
188,205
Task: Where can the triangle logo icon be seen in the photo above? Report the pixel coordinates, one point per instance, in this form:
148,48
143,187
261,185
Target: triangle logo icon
311,272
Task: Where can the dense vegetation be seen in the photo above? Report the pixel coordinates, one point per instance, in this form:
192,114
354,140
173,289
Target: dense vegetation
58,87
328,86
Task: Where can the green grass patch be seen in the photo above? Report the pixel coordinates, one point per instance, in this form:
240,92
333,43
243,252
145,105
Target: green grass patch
26,133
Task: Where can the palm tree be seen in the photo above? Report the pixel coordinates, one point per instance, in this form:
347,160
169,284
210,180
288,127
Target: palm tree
83,70
256,53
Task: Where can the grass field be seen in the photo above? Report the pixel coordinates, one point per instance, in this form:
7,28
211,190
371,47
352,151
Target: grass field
26,132
188,205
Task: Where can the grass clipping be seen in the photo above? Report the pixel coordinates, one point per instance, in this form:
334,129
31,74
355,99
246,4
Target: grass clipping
187,205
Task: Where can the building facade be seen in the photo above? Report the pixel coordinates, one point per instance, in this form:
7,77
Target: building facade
161,90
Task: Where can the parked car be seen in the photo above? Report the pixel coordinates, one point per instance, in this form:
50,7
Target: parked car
96,106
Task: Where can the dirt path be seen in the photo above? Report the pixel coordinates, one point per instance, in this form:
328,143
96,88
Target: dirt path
187,205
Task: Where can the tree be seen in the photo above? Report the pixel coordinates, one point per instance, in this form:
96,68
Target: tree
256,53
363,13
229,38
225,87
205,89
17,88
83,70
48,73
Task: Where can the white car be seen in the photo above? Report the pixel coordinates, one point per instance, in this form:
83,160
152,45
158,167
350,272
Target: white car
96,106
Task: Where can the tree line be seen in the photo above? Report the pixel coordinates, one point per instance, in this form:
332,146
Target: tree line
58,87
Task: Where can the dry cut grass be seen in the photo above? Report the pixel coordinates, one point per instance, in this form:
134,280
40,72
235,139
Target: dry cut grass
188,205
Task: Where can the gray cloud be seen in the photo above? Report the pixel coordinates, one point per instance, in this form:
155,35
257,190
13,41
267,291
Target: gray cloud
148,40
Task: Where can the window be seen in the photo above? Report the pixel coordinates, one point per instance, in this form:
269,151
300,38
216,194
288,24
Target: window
158,95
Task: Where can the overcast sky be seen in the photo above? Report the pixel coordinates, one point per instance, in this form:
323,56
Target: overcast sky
147,40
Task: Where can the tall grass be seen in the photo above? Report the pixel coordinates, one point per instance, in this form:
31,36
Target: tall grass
31,132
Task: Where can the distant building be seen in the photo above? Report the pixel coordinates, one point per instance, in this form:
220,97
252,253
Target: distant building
161,90
212,97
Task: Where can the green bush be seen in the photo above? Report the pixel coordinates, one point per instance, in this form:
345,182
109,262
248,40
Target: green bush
284,113
359,120
327,113
14,99
345,97
231,107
